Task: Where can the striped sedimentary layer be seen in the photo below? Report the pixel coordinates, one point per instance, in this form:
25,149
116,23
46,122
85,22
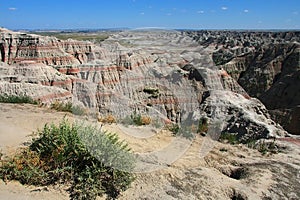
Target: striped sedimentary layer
164,75
19,47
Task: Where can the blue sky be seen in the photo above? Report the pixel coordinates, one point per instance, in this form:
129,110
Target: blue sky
192,14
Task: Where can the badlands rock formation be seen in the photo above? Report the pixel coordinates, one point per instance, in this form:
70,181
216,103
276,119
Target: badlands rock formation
168,75
265,64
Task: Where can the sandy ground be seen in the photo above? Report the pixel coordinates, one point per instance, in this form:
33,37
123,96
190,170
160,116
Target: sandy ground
17,123
192,175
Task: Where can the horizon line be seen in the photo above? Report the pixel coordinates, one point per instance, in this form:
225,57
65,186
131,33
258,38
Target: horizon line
153,28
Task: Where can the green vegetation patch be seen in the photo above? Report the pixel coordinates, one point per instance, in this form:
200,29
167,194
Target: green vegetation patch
202,125
93,37
17,99
82,157
67,107
136,119
182,131
262,145
230,138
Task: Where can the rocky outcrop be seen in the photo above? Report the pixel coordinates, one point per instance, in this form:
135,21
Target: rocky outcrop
19,47
35,73
40,93
265,64
39,81
247,118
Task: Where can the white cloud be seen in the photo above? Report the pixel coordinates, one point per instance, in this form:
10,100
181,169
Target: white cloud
224,8
12,9
142,13
295,13
200,11
169,14
246,11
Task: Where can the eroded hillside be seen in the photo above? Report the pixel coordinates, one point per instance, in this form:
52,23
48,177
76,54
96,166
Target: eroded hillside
167,75
265,64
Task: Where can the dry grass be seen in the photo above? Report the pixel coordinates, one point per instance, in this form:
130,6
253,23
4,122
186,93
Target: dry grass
108,119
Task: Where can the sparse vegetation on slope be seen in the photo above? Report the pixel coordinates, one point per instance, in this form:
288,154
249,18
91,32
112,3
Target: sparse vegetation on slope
67,107
17,99
76,155
136,119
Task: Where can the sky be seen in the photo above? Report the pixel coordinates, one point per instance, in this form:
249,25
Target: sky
169,14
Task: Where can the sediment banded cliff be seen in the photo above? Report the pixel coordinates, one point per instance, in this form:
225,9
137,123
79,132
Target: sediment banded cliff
19,47
164,74
265,64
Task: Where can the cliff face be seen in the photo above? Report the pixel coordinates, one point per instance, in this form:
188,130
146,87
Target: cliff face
163,74
19,47
266,65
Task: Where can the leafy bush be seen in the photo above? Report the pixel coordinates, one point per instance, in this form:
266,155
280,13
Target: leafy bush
17,99
90,161
67,107
229,137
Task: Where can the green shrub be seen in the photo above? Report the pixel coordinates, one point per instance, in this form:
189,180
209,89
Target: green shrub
266,146
202,125
17,99
174,128
67,107
229,137
90,161
136,119
185,131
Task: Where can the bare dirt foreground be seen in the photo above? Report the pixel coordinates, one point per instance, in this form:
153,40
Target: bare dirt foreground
17,122
226,172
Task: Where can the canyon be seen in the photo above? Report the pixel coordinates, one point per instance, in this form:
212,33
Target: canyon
178,76
243,83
